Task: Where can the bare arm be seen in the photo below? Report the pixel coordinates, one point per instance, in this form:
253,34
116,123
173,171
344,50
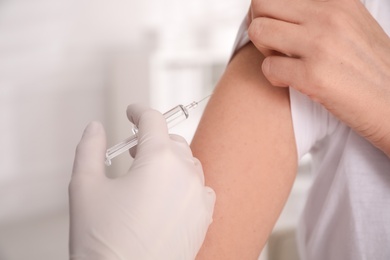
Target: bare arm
246,145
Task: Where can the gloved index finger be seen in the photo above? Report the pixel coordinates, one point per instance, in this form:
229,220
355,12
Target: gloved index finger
89,157
150,122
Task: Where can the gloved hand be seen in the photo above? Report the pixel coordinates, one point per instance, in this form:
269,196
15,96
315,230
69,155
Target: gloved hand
160,209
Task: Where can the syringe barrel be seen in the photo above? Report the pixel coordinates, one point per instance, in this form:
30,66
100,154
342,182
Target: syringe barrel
121,147
176,115
173,117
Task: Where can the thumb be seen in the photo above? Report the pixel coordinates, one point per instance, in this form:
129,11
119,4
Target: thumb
90,152
152,128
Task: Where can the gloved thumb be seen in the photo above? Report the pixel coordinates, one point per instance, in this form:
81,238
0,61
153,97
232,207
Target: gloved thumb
152,127
90,152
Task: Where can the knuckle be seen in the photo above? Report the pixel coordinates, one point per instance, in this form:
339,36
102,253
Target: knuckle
335,19
332,22
178,139
317,80
319,44
150,113
323,44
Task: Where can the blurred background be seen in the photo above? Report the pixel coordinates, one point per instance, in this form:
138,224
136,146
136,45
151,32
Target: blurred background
64,63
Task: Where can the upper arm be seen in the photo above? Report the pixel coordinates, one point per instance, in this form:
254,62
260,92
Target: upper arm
246,144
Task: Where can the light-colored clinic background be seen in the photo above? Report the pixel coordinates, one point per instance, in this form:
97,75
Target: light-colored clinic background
64,63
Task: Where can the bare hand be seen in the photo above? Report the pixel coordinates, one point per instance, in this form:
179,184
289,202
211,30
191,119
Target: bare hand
333,51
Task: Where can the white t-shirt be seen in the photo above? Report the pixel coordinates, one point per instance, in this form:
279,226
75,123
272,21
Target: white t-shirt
347,214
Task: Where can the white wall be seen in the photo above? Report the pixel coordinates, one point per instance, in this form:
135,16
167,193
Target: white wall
60,66
63,63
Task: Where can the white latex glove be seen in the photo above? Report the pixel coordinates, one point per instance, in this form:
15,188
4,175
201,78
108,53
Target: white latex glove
160,209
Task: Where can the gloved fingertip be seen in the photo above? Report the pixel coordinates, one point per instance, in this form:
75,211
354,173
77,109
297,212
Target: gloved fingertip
92,128
209,190
149,122
91,149
199,167
210,198
211,193
135,111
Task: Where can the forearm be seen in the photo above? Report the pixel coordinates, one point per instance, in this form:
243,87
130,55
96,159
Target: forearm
246,145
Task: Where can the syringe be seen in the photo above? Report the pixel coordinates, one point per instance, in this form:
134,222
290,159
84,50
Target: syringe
173,117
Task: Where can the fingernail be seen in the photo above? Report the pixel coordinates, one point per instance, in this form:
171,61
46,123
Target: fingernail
266,66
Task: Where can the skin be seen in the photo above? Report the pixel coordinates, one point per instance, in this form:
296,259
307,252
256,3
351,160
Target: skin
246,144
331,50
334,52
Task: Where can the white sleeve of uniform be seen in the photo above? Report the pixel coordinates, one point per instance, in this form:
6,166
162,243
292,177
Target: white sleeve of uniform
242,37
311,122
